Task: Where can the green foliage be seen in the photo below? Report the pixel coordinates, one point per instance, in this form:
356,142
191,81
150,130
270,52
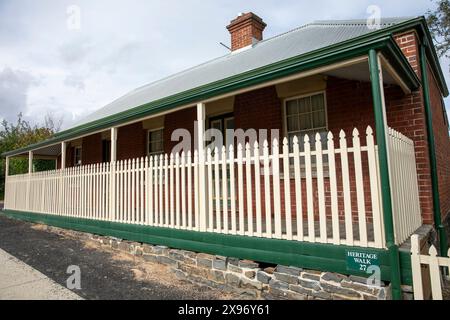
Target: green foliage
20,134
439,24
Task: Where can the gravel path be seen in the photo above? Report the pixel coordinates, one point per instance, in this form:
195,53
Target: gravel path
105,274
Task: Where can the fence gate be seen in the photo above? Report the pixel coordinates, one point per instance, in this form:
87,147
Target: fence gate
435,265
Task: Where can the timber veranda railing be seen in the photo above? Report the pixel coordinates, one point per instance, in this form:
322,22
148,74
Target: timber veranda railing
404,186
314,191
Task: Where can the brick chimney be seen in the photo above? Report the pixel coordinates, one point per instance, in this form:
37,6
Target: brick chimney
245,30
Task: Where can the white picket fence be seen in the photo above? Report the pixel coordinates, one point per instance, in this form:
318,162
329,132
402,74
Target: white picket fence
434,264
404,186
313,194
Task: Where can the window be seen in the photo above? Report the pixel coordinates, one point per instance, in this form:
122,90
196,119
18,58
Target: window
306,115
77,156
155,141
223,123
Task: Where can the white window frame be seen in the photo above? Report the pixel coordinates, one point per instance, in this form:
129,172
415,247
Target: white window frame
75,163
223,118
148,141
286,100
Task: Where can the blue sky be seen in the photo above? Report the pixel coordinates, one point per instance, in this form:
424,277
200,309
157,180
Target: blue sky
48,68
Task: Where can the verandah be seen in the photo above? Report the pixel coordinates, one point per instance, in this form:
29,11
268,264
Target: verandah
314,194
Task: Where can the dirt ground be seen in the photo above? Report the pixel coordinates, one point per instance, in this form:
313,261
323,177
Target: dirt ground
105,274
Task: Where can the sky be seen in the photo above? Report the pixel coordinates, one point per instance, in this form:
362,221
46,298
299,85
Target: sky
69,58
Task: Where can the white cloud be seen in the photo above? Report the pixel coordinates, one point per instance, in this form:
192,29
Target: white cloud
14,86
125,44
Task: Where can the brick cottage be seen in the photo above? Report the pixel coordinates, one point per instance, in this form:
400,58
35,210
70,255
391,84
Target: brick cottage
356,153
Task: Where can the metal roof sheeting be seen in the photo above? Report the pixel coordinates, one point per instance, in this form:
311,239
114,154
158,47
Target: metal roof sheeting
313,36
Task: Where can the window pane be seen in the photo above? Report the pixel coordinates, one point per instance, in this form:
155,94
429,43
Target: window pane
319,119
156,135
293,123
155,147
216,124
305,121
304,105
317,102
292,107
229,123
155,143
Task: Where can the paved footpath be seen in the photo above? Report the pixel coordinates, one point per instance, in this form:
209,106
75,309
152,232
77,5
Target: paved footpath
19,281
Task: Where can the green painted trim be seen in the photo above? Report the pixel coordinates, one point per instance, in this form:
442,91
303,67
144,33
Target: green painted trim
443,245
384,174
323,257
345,50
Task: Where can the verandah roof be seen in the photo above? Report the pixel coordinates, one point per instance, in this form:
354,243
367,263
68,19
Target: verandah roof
294,51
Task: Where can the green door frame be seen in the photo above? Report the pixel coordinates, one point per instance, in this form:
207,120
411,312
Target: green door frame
380,126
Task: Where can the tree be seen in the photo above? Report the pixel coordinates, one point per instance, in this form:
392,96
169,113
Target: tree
20,134
439,24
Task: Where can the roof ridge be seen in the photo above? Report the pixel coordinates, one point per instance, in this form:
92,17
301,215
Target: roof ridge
342,22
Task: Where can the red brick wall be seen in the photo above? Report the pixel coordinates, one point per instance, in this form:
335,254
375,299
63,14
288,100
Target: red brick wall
259,109
91,150
442,143
131,142
410,119
183,119
409,44
70,153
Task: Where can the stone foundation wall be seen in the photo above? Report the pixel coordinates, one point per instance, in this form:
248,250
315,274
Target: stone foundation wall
249,279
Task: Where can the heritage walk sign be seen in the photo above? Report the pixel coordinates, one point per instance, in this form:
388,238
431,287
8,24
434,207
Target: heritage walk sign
361,261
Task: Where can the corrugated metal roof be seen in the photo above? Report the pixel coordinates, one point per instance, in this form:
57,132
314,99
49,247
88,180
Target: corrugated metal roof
313,36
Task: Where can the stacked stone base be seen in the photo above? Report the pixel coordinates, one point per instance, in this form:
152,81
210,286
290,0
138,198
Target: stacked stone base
248,279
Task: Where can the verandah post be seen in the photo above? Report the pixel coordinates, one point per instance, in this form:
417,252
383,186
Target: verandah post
6,195
112,176
61,179
381,132
63,154
30,171
202,196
